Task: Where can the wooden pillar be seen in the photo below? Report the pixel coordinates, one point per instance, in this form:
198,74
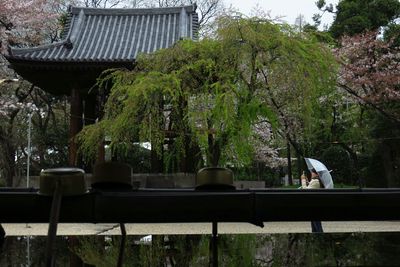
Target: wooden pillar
75,126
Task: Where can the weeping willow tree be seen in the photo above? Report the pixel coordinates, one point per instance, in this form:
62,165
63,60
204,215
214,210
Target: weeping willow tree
206,96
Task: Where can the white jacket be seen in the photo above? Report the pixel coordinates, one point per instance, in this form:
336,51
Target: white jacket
313,184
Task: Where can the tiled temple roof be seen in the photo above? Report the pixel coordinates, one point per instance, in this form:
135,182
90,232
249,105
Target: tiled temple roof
114,35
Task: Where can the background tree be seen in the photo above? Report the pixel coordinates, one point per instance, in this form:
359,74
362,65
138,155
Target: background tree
356,16
365,101
11,105
370,74
18,100
21,24
29,24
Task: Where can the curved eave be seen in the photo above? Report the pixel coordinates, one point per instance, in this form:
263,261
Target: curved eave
60,77
67,64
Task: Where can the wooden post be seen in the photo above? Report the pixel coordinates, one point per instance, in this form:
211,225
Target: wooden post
214,245
75,126
89,117
122,245
52,231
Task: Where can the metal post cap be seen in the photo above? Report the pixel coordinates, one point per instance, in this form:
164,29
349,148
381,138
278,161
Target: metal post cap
112,175
72,181
214,178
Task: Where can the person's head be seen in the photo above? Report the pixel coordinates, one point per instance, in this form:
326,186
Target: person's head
314,174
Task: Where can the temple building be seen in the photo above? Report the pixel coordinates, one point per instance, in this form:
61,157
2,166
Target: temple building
95,40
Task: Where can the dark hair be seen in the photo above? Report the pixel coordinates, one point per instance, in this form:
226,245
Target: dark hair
321,184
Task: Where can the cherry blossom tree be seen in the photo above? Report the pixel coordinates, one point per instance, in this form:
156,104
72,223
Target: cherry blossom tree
370,72
22,24
28,23
11,103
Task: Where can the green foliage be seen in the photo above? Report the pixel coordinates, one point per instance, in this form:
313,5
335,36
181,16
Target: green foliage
340,164
321,36
210,93
392,31
90,138
383,157
357,16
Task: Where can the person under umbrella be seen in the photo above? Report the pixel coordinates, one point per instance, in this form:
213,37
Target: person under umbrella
320,178
315,183
322,171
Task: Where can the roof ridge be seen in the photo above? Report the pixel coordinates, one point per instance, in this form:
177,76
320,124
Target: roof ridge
131,11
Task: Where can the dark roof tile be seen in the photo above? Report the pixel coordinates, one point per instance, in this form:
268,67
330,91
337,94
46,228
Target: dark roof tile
99,35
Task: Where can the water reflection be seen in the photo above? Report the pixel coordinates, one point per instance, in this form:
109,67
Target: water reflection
349,249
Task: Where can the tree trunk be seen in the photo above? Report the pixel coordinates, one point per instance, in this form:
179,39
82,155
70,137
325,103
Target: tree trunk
289,159
156,160
215,155
9,168
354,158
391,163
299,166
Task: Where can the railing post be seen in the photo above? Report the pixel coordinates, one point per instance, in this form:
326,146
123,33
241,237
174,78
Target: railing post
214,244
122,245
54,216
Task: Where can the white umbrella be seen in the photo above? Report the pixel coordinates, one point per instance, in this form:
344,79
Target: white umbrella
322,170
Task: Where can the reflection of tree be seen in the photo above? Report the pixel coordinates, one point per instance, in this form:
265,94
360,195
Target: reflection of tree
345,249
171,250
14,252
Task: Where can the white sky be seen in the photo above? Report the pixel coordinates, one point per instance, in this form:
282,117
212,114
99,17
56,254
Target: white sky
290,9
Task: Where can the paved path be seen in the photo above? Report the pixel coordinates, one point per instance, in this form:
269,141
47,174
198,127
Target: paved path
201,228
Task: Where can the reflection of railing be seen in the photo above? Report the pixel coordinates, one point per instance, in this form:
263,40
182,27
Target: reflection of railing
189,205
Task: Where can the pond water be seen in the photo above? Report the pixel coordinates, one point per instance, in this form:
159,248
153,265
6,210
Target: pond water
295,249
